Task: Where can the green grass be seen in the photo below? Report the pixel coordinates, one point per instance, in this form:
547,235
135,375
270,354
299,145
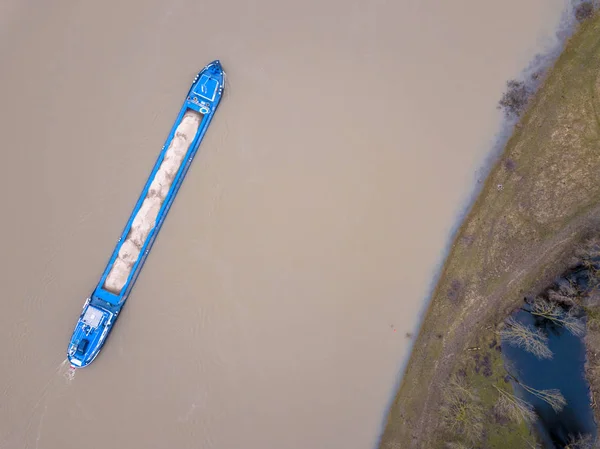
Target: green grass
481,376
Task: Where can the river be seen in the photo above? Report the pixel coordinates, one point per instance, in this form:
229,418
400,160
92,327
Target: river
274,308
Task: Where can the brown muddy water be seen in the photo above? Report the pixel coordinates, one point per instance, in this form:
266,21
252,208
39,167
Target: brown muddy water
273,309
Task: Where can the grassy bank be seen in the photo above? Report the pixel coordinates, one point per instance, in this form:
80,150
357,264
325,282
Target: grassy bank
539,201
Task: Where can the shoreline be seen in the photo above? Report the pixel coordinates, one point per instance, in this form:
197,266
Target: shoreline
506,128
510,132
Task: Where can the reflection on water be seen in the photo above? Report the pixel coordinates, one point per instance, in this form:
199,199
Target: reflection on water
564,370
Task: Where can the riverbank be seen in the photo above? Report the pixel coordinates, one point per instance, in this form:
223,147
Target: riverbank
539,201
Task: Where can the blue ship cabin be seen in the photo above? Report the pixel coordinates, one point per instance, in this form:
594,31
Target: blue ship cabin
82,346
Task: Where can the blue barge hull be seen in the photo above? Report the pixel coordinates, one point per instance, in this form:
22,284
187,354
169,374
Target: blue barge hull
102,307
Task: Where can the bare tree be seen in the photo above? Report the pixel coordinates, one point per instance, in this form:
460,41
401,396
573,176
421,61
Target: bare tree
530,339
569,288
461,410
552,397
532,444
561,298
589,249
514,408
581,442
558,315
593,273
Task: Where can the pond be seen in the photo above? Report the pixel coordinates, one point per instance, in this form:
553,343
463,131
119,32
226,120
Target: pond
563,370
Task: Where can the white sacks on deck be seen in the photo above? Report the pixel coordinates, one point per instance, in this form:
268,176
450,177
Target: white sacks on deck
145,219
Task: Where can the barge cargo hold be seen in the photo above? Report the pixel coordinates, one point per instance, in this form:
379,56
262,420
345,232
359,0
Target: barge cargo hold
102,307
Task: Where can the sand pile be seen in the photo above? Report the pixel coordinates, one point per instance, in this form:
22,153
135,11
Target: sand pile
145,219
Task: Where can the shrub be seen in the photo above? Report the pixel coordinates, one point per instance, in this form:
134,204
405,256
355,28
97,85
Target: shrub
515,99
584,11
461,410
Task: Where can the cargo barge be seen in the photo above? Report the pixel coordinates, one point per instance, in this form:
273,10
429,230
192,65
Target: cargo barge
102,307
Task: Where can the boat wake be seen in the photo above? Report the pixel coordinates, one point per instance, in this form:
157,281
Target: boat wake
52,388
67,371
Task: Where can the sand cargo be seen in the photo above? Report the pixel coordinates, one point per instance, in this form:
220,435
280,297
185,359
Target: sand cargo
102,307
